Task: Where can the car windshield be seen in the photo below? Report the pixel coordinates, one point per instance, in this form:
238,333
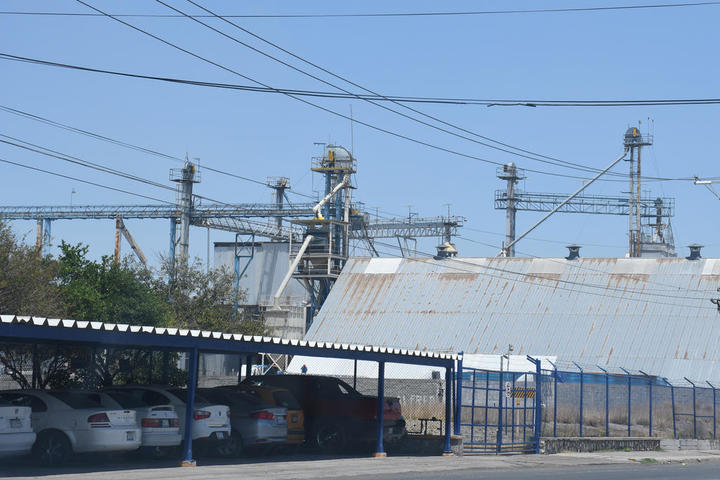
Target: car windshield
126,399
77,399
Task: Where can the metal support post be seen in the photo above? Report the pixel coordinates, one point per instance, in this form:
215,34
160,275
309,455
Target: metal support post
501,392
379,448
555,381
714,411
472,409
355,374
694,408
171,253
650,403
190,408
672,400
458,394
248,365
47,236
607,401
151,365
538,401
629,415
448,409
582,384
240,365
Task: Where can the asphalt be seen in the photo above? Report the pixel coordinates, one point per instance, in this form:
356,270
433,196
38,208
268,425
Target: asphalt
636,465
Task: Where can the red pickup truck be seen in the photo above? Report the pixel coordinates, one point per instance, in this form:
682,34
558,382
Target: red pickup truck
337,415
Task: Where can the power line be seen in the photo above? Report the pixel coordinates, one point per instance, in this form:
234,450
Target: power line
383,14
374,97
325,109
84,181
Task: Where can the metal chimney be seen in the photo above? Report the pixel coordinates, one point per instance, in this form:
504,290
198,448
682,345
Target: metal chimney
573,252
694,252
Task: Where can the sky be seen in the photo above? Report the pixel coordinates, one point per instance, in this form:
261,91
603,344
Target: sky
662,53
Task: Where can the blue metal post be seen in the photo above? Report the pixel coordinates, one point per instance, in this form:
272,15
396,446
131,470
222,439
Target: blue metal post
248,365
650,403
379,448
555,380
472,409
458,394
501,392
714,411
190,406
165,366
538,402
607,401
35,365
240,365
448,409
629,415
672,400
582,384
694,408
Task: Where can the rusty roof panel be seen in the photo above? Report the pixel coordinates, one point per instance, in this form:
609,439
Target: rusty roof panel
649,314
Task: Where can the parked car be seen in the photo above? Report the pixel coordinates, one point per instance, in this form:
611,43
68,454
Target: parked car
68,422
254,422
335,413
279,397
160,424
16,433
211,422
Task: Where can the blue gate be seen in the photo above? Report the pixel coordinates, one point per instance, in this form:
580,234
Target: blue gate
501,411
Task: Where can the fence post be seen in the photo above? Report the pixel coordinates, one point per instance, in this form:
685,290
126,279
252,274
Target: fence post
629,415
555,380
472,409
458,394
714,411
607,401
582,381
672,399
501,392
165,366
190,407
35,365
448,410
538,401
650,402
694,408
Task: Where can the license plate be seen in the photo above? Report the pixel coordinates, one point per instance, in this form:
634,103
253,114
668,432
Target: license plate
294,419
130,436
15,423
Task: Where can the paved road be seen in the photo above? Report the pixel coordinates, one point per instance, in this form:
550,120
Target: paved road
602,465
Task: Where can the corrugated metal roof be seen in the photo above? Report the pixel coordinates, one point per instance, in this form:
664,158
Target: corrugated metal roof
259,340
649,314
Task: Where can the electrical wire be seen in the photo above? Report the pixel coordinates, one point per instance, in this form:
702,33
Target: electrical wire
85,181
385,14
328,110
5,56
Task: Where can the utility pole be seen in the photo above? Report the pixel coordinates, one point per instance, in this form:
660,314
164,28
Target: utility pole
509,173
185,178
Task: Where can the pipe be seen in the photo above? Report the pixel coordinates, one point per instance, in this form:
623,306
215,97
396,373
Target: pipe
506,248
293,266
333,192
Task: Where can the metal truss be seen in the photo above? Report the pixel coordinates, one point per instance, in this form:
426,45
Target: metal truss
407,227
593,204
95,212
248,227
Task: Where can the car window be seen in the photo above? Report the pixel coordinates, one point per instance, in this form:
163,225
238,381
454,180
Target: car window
283,398
181,393
24,400
127,399
77,399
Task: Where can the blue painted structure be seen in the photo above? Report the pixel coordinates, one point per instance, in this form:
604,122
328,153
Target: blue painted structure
35,330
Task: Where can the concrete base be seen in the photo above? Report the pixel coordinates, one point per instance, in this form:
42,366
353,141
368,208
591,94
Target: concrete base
429,445
186,463
594,444
379,455
689,444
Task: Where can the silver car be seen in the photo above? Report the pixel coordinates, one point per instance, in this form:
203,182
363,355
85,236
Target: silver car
254,423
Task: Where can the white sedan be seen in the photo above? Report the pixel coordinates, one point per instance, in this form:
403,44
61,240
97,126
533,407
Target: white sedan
68,422
211,423
16,434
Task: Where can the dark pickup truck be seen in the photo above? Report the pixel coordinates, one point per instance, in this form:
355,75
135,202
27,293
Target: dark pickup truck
336,414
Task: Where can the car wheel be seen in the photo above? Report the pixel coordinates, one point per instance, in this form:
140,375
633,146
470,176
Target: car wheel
232,447
52,449
329,437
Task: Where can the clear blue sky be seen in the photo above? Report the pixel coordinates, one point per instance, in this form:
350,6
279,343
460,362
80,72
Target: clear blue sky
630,54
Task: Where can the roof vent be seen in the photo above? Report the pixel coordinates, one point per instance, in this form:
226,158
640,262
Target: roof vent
695,252
573,252
446,250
